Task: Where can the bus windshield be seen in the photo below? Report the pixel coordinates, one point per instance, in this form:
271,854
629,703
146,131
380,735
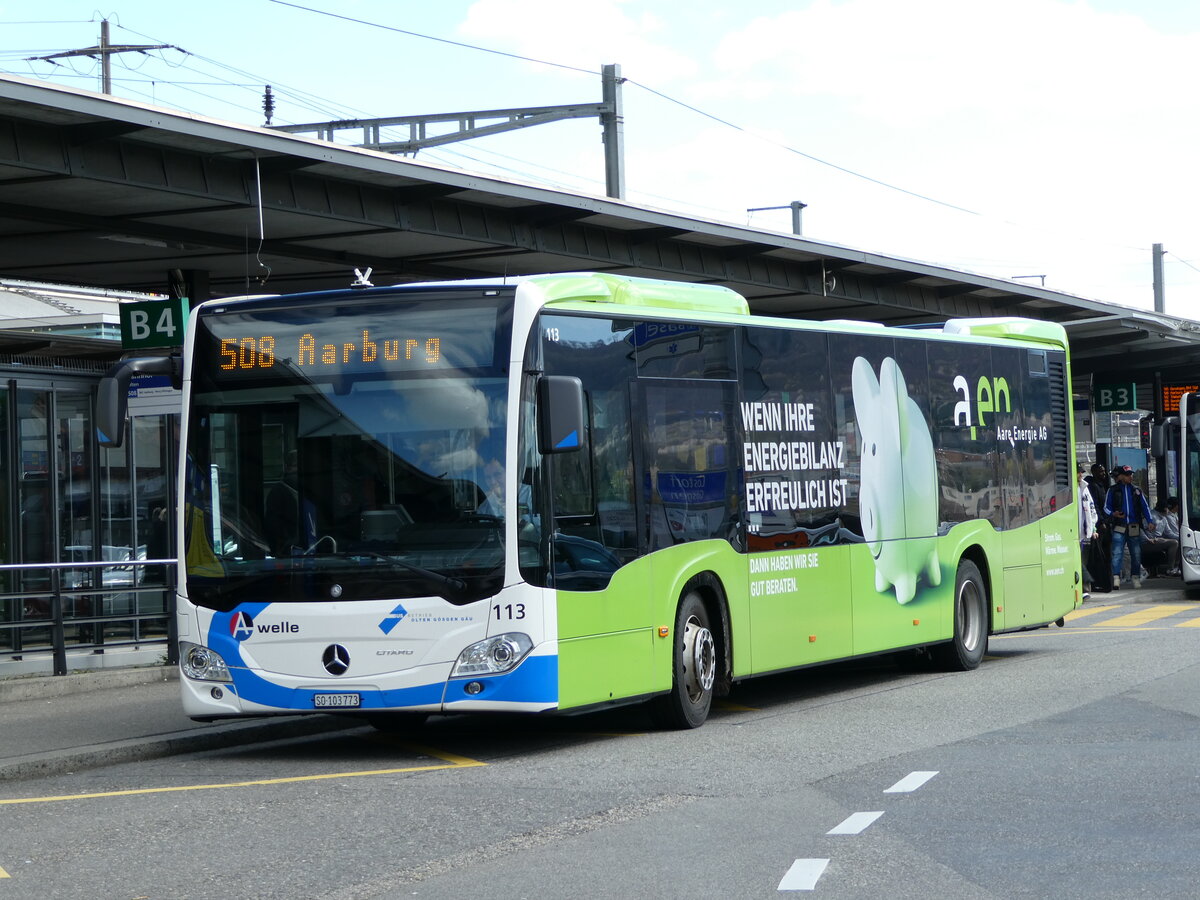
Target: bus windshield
315,472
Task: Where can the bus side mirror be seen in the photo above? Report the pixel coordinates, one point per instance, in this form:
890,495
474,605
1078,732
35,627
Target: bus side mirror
560,413
112,399
1164,437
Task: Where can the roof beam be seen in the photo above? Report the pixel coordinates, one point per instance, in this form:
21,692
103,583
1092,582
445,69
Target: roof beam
91,132
282,165
417,193
745,251
638,236
1106,342
949,291
553,215
896,278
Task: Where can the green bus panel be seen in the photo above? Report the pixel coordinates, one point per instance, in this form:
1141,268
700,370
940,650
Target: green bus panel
1061,587
611,637
604,667
800,608
1022,562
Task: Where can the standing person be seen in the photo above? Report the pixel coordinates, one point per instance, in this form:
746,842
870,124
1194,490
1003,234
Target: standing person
1127,509
1098,485
1088,524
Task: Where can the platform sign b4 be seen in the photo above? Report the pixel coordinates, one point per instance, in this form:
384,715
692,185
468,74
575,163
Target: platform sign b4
153,323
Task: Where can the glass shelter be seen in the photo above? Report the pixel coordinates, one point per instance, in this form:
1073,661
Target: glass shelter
80,526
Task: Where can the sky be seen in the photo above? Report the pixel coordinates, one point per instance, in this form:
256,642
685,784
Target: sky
1051,141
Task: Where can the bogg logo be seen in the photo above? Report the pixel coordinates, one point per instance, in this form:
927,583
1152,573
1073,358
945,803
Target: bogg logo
394,618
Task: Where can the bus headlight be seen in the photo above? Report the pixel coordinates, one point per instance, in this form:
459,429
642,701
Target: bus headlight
1192,555
201,664
492,656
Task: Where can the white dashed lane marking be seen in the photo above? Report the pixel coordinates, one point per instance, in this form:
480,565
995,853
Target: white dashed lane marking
910,782
803,875
855,823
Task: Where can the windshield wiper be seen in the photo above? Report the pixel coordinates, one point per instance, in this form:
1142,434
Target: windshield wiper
447,586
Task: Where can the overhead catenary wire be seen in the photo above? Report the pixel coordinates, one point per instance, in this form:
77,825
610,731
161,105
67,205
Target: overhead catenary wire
924,197
662,95
323,106
430,37
1180,260
644,87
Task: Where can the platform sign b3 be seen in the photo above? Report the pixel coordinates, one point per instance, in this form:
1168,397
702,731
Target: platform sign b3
1116,397
153,323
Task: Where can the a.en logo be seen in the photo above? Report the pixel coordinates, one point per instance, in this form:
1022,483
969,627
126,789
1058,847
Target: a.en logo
988,397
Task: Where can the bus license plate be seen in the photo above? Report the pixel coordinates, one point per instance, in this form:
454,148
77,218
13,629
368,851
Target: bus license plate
336,701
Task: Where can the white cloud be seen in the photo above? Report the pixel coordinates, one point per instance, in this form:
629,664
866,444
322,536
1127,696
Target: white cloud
932,59
1067,121
1065,127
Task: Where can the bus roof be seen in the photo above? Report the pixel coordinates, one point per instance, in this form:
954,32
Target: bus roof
566,289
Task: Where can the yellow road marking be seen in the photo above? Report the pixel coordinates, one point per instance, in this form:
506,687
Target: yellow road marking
450,761
1190,623
733,707
4,874
1065,632
1143,616
1088,610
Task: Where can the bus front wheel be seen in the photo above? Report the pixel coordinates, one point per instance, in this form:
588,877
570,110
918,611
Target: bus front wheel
694,668
965,651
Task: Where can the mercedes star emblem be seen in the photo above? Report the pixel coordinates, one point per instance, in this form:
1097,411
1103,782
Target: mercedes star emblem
336,659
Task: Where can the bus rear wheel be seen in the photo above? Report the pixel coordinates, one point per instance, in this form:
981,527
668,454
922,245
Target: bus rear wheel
965,651
694,668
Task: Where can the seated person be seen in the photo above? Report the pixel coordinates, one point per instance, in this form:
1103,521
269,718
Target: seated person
1163,543
493,500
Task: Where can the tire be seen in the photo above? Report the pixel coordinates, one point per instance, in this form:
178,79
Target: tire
966,649
694,668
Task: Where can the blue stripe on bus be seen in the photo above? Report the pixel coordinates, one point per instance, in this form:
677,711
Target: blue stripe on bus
253,688
534,681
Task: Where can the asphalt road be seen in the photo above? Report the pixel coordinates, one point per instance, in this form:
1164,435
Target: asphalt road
1065,767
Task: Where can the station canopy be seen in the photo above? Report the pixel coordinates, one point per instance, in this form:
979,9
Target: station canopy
106,192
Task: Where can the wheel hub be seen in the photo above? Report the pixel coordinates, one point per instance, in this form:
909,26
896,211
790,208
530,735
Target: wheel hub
699,659
969,623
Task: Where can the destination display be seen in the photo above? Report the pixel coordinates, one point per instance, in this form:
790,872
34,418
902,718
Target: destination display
259,353
353,339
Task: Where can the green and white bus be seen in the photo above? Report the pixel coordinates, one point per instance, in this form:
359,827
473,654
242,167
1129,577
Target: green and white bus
580,490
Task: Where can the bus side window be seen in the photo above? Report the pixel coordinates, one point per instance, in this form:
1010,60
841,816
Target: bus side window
688,429
593,503
788,402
